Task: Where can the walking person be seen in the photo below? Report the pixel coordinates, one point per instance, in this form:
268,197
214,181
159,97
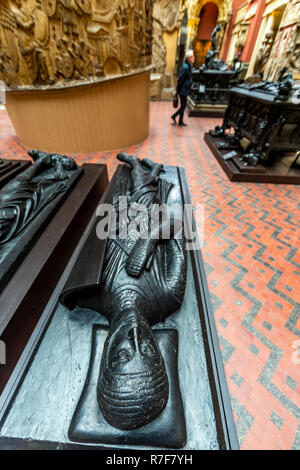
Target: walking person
184,85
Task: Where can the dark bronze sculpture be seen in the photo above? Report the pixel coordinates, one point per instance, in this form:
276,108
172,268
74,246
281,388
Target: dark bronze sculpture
260,135
212,82
211,62
281,88
262,113
24,198
170,394
142,282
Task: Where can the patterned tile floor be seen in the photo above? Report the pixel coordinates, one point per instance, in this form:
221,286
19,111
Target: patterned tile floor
252,258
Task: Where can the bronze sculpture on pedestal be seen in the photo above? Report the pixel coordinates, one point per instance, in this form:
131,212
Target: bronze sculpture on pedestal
29,193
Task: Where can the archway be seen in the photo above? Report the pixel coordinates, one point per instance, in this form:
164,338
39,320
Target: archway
208,19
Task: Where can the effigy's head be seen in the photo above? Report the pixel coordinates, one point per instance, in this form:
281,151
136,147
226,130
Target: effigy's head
133,385
8,220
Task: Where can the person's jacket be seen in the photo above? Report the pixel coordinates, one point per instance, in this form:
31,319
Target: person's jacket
185,80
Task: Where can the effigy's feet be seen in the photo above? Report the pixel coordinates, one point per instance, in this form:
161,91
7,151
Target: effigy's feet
155,168
36,154
126,158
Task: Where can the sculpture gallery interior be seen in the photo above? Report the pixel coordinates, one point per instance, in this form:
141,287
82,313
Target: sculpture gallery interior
149,225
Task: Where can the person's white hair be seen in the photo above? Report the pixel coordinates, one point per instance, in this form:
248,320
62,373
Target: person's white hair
189,53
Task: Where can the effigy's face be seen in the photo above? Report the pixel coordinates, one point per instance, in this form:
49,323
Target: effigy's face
133,348
7,219
133,384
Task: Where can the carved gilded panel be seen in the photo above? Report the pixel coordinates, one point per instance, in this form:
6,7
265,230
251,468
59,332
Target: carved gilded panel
45,42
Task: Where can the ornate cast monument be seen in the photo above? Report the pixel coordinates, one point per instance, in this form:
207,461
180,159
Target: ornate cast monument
45,42
265,141
195,10
57,52
211,83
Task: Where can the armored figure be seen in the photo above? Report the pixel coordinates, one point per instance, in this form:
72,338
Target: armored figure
143,281
25,197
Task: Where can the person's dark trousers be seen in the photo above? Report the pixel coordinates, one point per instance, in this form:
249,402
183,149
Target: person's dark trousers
180,111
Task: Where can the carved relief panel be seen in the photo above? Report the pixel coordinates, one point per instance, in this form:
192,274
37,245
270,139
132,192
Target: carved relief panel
286,48
293,51
167,17
43,42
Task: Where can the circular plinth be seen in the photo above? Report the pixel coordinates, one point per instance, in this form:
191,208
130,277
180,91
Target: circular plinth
104,114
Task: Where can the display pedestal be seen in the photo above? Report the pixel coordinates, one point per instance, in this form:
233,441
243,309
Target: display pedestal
31,286
280,171
208,110
210,92
261,125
